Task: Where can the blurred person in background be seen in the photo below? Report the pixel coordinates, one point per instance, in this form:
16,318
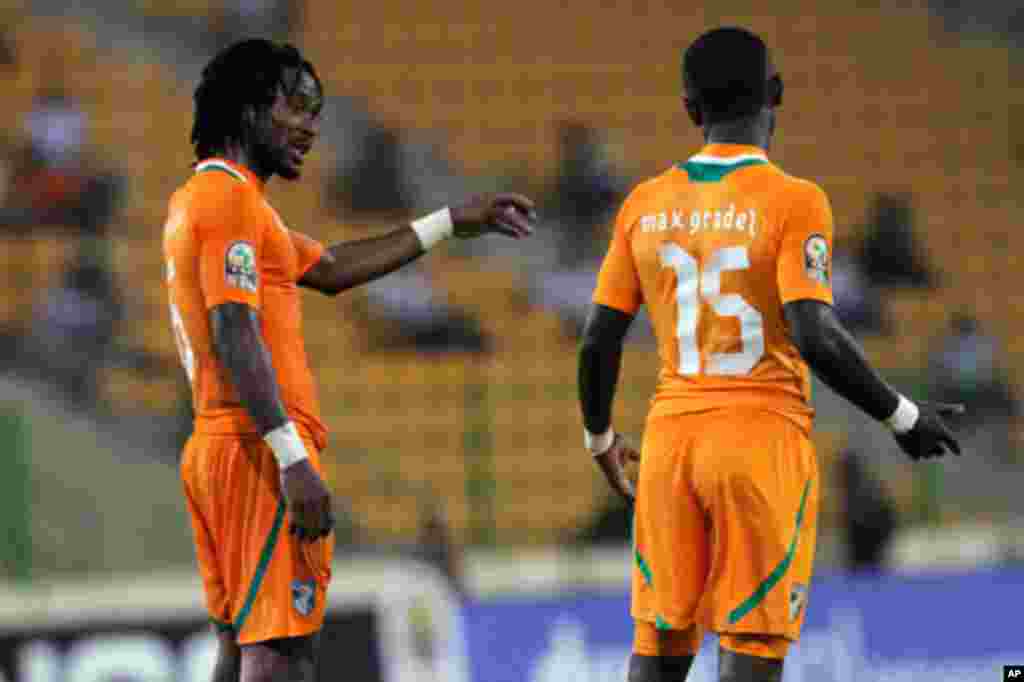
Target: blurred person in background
890,254
869,513
260,510
75,326
585,193
54,181
858,302
273,19
436,546
966,365
406,310
742,310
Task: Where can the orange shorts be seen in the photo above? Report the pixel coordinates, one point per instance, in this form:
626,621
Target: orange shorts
725,523
261,583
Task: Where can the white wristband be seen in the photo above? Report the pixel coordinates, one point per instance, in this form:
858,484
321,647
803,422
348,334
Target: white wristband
287,445
905,416
433,228
598,444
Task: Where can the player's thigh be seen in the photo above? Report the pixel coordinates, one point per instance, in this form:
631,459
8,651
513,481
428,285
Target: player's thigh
284,593
757,478
670,534
291,658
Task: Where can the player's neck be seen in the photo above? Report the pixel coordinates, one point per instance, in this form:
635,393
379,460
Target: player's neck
751,132
239,155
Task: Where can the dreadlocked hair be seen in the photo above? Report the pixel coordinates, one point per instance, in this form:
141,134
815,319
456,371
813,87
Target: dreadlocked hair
248,74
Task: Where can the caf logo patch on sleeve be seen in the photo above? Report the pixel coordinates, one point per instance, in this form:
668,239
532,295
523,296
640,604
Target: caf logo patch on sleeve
240,266
816,259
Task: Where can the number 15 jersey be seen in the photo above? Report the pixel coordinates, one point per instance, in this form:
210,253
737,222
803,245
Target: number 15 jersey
715,247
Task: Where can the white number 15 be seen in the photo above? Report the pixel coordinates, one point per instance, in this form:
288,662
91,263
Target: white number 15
691,286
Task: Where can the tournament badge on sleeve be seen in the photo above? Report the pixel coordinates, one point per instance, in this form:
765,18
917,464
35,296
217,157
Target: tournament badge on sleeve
240,266
816,258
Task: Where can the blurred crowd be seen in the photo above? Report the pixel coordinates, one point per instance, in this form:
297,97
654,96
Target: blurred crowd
52,179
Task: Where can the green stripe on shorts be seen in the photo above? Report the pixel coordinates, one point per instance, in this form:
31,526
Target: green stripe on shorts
751,602
261,568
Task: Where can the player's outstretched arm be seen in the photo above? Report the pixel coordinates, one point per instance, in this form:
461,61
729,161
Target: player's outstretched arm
599,363
238,343
837,359
350,264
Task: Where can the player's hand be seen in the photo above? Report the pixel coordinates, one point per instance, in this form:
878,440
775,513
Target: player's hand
930,436
512,215
619,464
309,502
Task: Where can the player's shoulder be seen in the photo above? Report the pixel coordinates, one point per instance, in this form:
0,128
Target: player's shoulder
649,189
214,192
793,186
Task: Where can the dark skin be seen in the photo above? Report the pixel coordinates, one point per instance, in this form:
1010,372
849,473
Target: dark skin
829,350
275,143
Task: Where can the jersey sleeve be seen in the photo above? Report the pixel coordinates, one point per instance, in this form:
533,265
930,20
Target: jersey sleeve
230,249
805,248
618,283
310,252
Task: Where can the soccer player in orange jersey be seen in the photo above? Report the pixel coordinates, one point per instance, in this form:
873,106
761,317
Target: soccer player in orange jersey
732,258
251,470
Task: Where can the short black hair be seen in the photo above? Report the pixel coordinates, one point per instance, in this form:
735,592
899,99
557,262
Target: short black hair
249,73
726,69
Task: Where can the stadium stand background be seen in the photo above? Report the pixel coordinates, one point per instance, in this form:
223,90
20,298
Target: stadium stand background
878,100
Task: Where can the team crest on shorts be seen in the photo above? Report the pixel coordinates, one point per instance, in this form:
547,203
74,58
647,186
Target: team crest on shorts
304,596
797,600
816,260
240,266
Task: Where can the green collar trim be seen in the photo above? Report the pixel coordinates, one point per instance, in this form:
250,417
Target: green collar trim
701,169
214,164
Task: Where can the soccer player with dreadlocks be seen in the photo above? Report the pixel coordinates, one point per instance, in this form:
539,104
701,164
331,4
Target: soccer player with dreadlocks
260,511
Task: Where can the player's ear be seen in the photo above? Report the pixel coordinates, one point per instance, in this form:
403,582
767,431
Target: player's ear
693,109
773,94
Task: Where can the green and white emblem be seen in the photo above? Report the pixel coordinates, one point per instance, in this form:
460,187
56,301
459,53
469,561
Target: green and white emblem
240,266
816,259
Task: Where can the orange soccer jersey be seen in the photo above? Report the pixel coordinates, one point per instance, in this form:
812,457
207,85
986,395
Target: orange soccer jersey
224,243
726,504
714,248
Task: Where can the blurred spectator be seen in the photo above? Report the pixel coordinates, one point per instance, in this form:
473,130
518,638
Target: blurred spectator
611,525
374,180
869,513
966,367
416,319
857,302
587,193
8,56
241,19
435,546
74,327
52,181
890,255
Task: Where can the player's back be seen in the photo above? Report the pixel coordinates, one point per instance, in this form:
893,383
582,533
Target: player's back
223,243
717,245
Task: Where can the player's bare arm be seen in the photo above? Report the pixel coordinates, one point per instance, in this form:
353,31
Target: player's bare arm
837,359
349,264
599,364
238,343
